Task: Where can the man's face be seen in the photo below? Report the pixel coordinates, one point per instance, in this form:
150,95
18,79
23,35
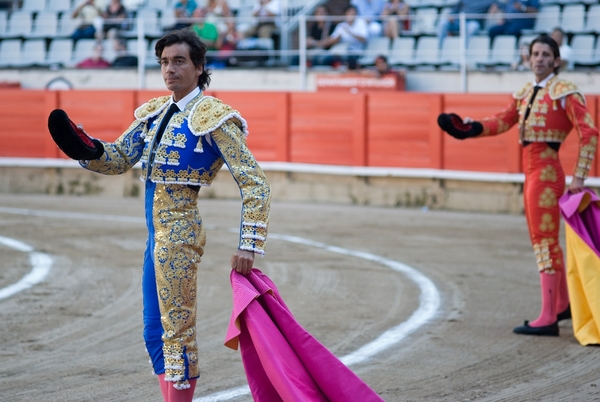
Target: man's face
350,15
320,13
381,65
178,71
542,60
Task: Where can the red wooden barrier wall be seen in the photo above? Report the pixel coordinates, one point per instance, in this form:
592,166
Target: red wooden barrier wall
24,123
328,128
402,130
363,129
489,154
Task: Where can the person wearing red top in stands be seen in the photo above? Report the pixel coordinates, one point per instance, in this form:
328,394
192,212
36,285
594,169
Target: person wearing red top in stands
96,60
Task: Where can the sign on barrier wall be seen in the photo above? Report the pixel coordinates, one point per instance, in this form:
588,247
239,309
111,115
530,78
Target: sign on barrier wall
360,82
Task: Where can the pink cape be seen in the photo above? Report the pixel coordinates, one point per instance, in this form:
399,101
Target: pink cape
283,362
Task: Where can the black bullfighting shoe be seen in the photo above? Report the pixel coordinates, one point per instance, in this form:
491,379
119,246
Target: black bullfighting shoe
565,315
72,140
548,330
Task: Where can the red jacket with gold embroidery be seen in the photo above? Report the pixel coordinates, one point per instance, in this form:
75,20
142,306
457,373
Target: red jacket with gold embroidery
557,108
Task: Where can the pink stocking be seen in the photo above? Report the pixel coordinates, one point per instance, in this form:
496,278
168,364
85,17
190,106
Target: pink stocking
184,395
562,301
549,285
164,387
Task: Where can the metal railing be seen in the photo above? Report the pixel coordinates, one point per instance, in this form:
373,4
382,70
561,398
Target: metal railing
291,28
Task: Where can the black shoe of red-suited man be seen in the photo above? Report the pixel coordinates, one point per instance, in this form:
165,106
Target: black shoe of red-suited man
453,125
72,140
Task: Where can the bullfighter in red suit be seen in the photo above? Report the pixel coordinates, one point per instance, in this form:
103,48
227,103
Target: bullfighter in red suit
546,111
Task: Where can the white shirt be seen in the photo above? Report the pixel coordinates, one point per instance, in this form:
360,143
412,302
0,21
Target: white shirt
345,31
186,99
542,83
566,53
272,7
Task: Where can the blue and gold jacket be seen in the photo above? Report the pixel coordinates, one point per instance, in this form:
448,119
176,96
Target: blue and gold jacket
193,148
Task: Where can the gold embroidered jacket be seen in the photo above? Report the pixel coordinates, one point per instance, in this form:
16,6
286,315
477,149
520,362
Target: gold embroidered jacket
195,145
557,108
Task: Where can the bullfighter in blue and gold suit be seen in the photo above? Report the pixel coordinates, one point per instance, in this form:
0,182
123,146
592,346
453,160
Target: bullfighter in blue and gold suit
177,157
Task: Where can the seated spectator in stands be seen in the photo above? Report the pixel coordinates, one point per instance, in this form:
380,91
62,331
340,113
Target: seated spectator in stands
95,60
566,51
229,45
395,18
217,12
371,11
319,35
513,25
382,68
353,31
451,24
265,11
523,63
123,59
206,31
89,15
116,14
184,10
318,38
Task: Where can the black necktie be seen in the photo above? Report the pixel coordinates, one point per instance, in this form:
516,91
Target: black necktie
535,91
165,120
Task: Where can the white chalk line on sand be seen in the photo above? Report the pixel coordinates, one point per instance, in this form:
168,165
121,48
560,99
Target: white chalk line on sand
41,263
429,299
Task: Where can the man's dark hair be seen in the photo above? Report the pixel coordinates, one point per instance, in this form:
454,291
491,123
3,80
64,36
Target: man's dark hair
547,40
350,7
197,51
325,7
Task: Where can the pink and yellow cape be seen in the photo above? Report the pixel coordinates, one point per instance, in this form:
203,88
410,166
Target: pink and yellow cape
581,212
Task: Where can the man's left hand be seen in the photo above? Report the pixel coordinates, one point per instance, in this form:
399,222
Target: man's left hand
576,185
242,261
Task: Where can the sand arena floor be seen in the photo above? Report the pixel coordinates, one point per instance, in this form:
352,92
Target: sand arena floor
77,336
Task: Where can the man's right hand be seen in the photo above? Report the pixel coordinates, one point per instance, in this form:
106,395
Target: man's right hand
71,139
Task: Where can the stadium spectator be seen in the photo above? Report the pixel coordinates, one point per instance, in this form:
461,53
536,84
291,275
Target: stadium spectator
522,63
353,31
382,68
395,18
96,60
319,36
206,31
116,14
566,51
451,25
370,11
123,59
516,19
184,10
89,15
228,46
265,11
217,12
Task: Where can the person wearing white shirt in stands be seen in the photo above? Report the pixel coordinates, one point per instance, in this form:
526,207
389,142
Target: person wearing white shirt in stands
353,31
566,51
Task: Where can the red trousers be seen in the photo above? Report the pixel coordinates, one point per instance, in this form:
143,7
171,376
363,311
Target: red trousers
544,185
